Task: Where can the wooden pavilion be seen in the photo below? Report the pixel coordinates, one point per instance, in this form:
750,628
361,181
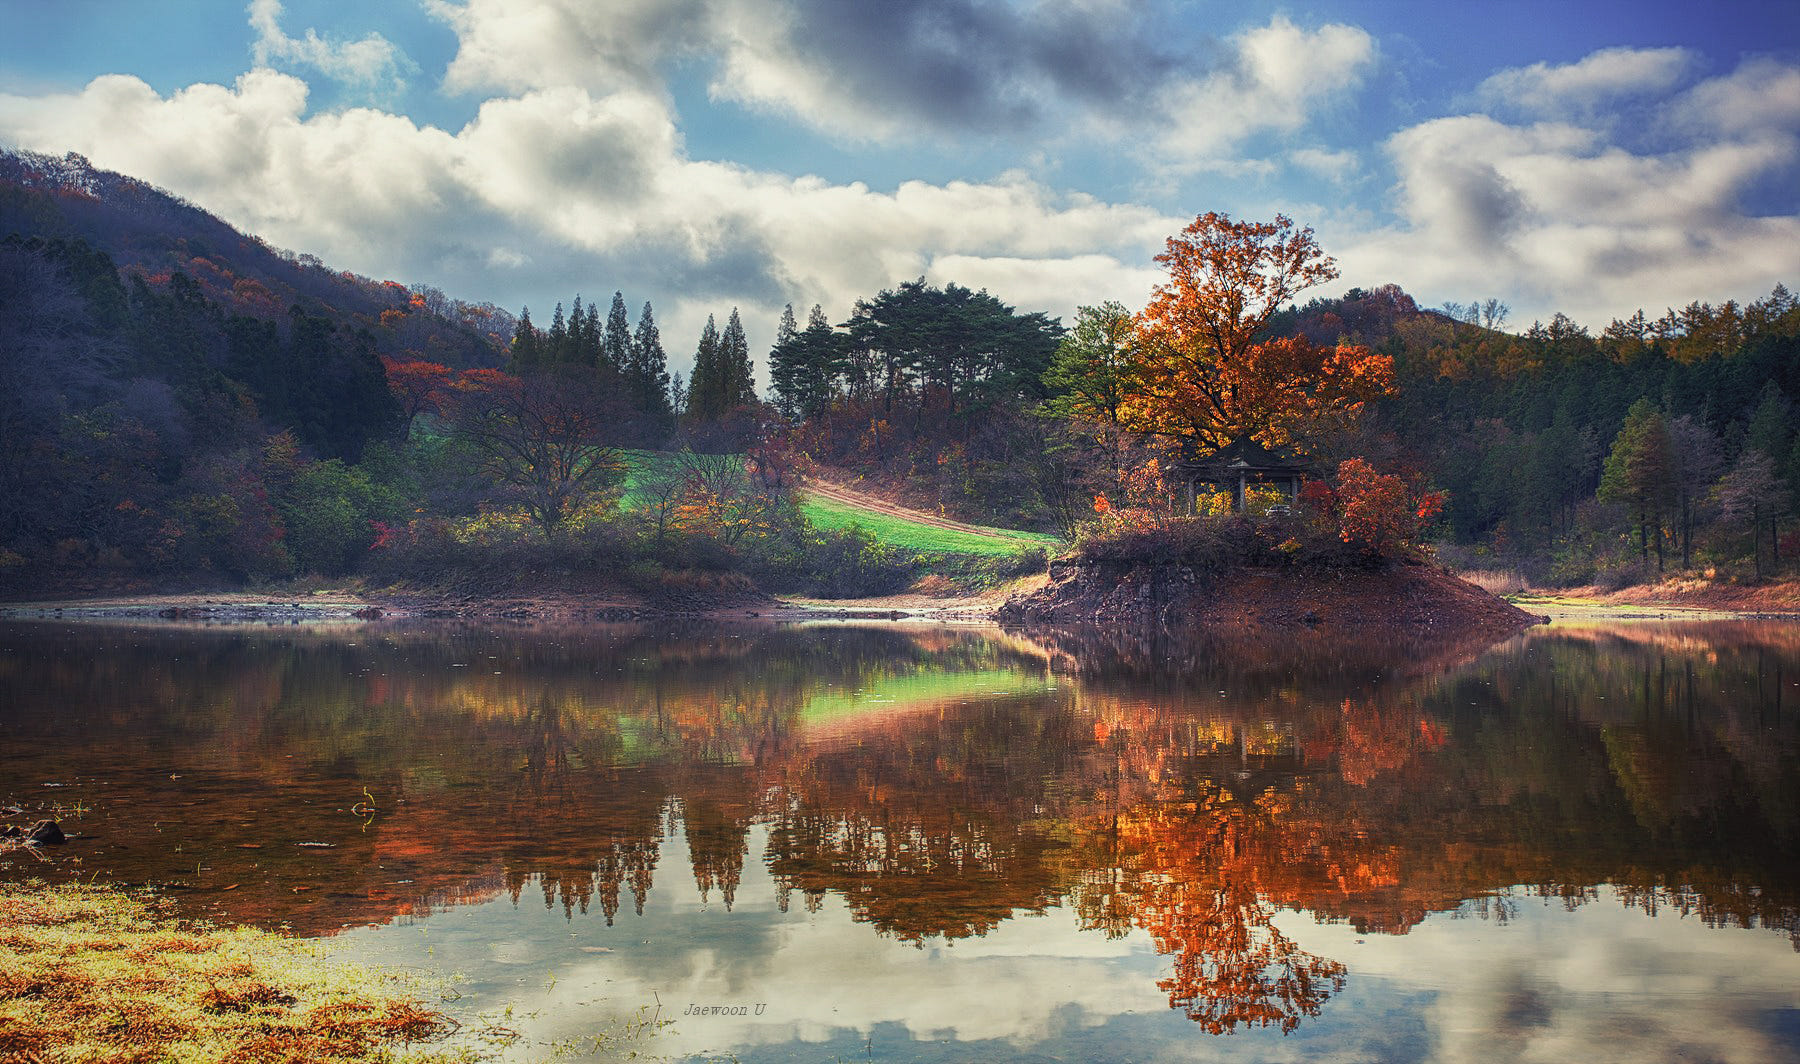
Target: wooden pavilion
1239,464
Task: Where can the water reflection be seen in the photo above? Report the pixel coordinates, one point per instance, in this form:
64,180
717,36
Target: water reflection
935,786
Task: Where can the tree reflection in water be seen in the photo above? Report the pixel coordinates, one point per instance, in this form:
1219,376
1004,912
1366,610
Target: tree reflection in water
939,781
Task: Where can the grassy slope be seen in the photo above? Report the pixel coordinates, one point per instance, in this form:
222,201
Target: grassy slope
912,536
897,532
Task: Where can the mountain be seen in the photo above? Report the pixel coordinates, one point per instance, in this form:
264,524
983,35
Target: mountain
153,235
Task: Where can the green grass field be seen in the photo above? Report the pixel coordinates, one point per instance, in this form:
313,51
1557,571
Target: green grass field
911,536
896,532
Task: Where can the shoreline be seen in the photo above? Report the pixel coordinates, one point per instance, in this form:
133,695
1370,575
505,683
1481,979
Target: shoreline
343,607
1672,601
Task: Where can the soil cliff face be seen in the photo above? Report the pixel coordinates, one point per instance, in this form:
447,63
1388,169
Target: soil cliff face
1409,601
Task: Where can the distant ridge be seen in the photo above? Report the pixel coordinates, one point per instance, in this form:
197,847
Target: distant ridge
154,234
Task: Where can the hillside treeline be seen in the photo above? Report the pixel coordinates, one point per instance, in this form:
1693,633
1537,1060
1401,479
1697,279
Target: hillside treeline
171,414
1656,445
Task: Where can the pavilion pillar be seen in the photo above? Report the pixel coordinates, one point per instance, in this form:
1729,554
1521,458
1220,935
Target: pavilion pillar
1238,496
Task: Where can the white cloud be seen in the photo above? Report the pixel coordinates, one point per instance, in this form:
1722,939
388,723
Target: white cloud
1335,166
372,63
1761,94
1279,77
1598,79
519,45
1567,216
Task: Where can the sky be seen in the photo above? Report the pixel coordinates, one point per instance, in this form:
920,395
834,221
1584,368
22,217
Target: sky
1588,158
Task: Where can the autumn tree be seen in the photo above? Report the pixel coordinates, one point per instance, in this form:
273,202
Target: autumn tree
1381,512
1208,374
420,387
729,497
547,438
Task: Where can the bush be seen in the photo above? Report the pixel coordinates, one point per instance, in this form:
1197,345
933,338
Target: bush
851,563
1618,577
329,511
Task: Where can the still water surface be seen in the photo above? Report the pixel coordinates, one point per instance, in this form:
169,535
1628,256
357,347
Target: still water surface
860,842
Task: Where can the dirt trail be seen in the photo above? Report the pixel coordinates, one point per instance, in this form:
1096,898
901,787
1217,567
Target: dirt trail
825,489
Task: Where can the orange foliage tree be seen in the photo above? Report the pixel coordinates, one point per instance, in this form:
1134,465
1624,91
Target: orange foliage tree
1381,511
421,387
1208,375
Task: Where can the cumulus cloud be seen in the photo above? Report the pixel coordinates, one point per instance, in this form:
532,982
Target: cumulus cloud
1561,215
372,63
876,71
519,45
864,71
924,69
1278,77
1760,95
1596,80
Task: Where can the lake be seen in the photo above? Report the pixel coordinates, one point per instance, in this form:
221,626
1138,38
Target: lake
898,842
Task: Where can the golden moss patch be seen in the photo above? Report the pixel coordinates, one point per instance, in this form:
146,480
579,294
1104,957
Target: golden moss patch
90,973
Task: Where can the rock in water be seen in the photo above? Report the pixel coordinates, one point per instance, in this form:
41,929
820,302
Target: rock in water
45,833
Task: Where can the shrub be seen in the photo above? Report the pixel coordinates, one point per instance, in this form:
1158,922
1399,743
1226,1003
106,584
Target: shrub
1380,512
851,563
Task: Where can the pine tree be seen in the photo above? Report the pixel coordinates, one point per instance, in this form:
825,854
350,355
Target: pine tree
740,372
647,374
615,345
707,384
576,340
589,352
556,341
526,346
1771,422
1640,474
806,368
788,328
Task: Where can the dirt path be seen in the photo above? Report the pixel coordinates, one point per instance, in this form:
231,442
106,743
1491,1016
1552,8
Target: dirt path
849,496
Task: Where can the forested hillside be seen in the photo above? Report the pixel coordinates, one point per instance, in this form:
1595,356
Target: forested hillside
181,402
1660,443
152,235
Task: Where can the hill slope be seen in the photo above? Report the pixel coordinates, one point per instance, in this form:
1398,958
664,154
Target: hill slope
832,505
152,234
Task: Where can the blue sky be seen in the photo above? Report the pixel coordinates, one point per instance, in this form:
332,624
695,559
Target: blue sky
1591,158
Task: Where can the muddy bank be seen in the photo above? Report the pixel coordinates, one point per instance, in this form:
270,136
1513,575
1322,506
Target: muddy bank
1773,598
1416,603
513,599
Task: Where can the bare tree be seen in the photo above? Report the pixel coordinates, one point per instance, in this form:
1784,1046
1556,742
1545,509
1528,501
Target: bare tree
549,437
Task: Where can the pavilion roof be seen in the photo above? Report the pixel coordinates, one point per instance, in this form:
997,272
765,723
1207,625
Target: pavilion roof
1246,455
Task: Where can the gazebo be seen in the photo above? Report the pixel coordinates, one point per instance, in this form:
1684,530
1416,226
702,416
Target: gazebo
1239,464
